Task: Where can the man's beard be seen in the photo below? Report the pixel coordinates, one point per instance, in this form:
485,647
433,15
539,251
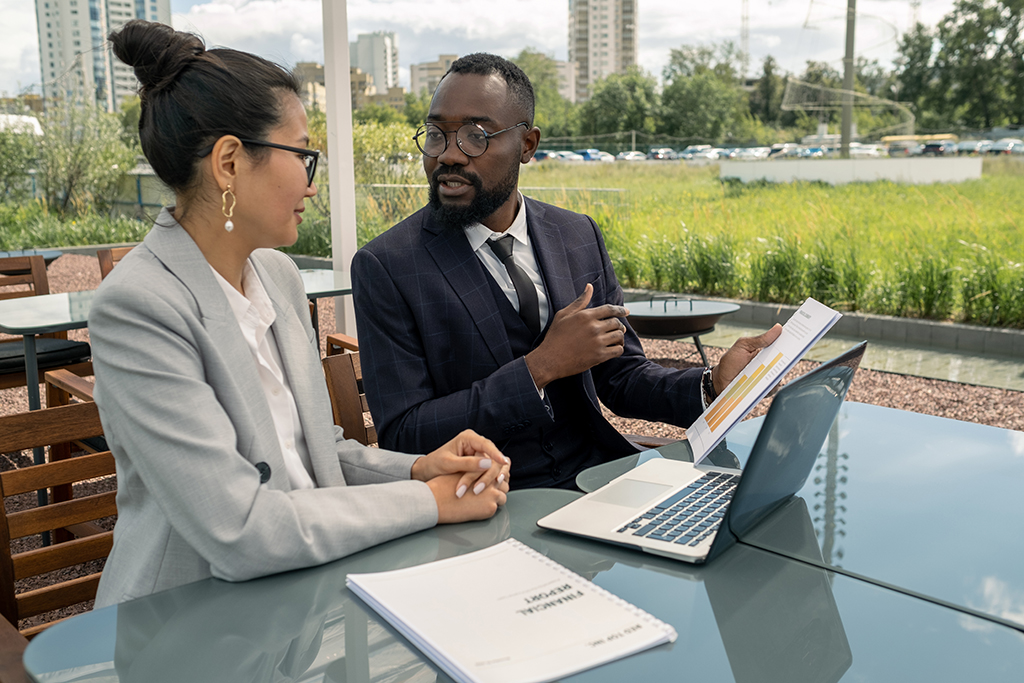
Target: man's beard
484,204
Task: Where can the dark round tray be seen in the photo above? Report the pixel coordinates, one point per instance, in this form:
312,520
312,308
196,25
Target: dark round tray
676,317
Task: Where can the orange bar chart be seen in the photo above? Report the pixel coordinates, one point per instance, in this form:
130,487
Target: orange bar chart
735,394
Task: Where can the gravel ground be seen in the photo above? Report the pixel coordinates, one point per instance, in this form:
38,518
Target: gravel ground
995,407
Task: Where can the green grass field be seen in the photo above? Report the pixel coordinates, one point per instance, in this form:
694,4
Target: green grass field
944,251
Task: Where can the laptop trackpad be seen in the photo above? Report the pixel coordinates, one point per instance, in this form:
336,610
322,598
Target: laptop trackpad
629,492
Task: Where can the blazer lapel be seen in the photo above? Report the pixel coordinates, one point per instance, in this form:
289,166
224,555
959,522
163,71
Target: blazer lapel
549,249
178,252
306,380
467,277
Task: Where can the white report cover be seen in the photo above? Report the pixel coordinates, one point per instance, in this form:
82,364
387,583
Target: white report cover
508,614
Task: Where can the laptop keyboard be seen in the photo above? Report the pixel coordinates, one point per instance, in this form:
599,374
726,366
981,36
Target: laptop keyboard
690,515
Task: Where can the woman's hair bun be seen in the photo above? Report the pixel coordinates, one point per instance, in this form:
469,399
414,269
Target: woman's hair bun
157,52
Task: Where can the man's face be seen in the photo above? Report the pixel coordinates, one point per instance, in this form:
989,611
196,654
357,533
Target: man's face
465,190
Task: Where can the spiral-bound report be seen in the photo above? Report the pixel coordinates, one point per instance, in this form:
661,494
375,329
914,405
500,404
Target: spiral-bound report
508,614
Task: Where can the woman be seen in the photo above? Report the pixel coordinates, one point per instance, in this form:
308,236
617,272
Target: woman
208,378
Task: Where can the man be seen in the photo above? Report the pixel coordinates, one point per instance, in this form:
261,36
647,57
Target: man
454,332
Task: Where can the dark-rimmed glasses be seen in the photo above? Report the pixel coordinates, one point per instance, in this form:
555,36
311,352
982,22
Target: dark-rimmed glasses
471,138
309,156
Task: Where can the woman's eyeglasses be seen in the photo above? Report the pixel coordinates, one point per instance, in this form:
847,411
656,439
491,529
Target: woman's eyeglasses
309,156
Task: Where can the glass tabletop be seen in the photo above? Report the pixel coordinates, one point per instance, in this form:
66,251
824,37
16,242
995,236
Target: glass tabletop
323,282
45,313
924,503
749,616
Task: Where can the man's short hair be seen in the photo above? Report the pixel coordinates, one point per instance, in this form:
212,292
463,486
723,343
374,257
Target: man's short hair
520,90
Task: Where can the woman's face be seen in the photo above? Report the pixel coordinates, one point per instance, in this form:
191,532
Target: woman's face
271,193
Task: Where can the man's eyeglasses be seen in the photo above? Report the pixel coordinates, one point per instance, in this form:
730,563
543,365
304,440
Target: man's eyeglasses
309,156
471,138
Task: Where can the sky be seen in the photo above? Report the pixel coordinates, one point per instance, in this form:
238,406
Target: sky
290,31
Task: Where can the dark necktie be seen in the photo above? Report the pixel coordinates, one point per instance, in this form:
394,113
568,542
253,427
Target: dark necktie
529,308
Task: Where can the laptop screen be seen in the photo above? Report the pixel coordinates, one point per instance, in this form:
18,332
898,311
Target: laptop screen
790,439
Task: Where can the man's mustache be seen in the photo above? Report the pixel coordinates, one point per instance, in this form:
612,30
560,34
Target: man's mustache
472,178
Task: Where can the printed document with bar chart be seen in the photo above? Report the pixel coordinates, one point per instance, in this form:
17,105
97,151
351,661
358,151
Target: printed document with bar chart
806,326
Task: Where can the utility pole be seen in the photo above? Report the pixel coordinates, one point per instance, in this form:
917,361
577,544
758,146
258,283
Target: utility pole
847,124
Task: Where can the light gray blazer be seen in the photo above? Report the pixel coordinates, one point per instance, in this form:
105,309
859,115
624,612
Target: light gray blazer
185,416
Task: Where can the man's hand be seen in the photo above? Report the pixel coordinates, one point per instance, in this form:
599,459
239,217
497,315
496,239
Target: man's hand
476,457
579,338
737,357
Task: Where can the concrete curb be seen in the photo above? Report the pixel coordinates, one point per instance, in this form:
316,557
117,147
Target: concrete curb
909,331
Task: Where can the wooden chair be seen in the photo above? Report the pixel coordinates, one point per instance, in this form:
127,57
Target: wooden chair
344,376
109,258
23,276
75,517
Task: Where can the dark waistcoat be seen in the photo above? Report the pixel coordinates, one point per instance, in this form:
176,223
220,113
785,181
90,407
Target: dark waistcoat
549,455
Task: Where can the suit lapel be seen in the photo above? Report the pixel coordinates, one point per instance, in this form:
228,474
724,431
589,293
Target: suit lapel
467,277
549,248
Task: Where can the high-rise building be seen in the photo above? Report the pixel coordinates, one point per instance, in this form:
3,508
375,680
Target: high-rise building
376,54
602,40
426,75
75,61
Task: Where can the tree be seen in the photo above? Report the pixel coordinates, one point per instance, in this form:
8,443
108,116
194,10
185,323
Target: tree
381,113
972,64
416,107
384,153
621,102
701,106
555,115
17,152
915,69
131,112
83,158
688,60
766,99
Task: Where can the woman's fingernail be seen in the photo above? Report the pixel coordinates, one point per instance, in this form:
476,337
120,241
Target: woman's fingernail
478,488
461,492
485,464
501,478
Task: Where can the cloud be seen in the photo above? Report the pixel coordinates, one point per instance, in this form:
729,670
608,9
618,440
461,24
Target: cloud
288,31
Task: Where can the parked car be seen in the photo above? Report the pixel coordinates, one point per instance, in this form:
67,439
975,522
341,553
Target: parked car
544,154
782,150
606,157
859,151
662,153
1007,146
752,153
694,151
631,156
939,148
973,146
569,156
905,149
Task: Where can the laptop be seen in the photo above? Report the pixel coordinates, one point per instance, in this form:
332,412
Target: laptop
693,512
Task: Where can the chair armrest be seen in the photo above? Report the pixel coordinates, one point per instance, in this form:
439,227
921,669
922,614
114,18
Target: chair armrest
12,647
338,342
70,383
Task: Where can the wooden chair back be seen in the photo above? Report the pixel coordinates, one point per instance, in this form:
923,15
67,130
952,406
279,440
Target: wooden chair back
109,258
344,376
76,516
23,276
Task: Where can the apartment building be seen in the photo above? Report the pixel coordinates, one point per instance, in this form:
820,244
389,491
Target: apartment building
75,61
602,40
377,55
426,75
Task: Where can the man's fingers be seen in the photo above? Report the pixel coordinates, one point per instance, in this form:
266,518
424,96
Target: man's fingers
763,340
582,301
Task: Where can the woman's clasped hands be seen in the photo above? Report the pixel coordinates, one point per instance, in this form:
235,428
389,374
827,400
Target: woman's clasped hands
468,477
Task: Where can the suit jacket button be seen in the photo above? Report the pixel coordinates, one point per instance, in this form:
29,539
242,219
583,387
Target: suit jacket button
264,470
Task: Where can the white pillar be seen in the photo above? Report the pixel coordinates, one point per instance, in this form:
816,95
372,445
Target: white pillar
339,151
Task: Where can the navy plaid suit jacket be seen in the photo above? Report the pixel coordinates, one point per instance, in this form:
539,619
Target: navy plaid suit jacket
436,357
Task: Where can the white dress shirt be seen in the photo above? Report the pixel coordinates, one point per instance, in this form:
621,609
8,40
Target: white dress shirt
522,252
255,314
